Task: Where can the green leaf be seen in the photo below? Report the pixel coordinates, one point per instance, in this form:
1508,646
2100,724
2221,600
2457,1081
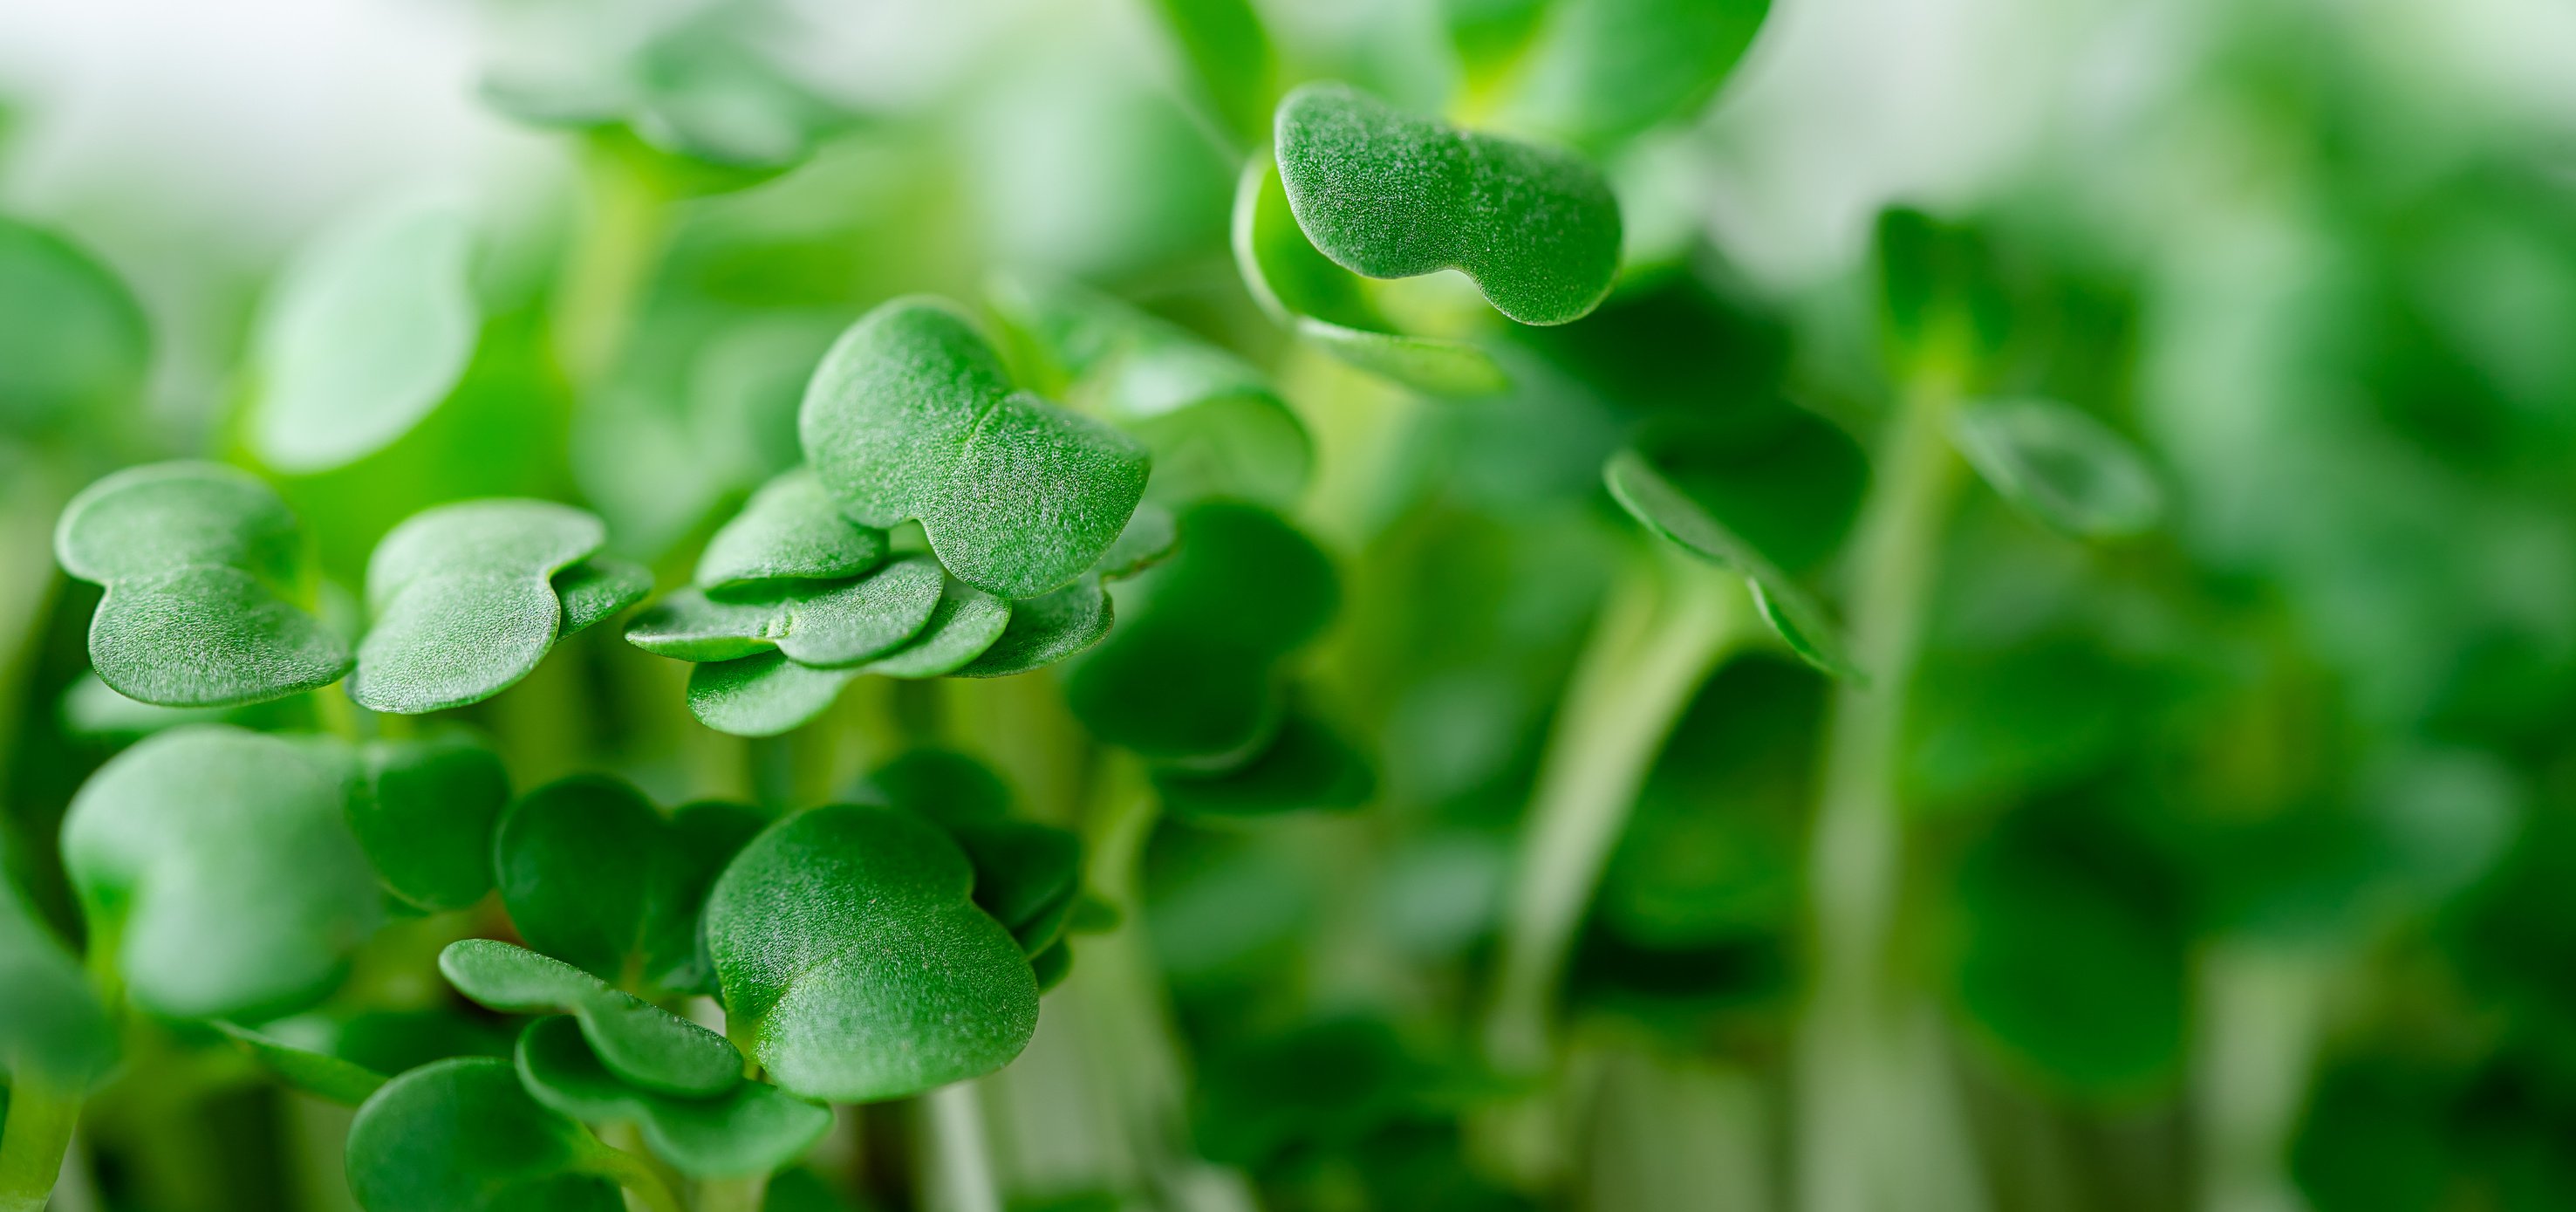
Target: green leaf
1305,765
911,416
1190,674
201,563
371,326
643,1043
52,1028
218,867
1941,292
464,601
828,625
1229,56
314,1072
73,342
424,812
1027,875
1326,304
1052,965
593,874
1148,540
854,960
598,589
1213,423
463,1136
966,622
1604,70
790,530
2060,466
753,1128
1046,630
1389,195
1491,35
762,695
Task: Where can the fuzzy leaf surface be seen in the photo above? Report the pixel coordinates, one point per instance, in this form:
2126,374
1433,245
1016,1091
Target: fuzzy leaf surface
753,1128
790,530
643,1043
464,601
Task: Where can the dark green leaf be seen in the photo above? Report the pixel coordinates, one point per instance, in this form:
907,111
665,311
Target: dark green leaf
911,416
966,622
424,812
762,695
462,1136
219,867
1941,292
464,601
1604,70
597,589
640,1041
1052,965
1389,195
368,330
1045,630
1305,765
1027,875
201,564
73,343
52,1028
593,875
752,1129
2060,466
314,1072
1147,541
853,958
790,530
828,625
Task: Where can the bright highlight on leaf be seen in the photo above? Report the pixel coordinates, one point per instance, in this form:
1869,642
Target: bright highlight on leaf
464,601
202,565
911,416
2060,466
639,1041
753,1128
1389,195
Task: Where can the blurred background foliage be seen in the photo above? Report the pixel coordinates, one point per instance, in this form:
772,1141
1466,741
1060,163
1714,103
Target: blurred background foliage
2238,854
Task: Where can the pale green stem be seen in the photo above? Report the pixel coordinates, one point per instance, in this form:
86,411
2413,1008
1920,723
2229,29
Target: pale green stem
634,1174
2262,1010
337,715
39,1128
961,1156
1871,1133
732,1194
611,263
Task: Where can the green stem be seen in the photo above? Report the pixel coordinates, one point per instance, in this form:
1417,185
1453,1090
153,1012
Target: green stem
961,1158
39,1128
1869,1092
634,1174
610,265
732,1194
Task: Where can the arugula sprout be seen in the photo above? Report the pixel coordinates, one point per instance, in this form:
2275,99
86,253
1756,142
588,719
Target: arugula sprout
639,1041
751,1129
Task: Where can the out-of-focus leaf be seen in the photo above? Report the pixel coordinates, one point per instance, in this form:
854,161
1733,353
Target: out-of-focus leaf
317,1073
911,416
52,1028
1604,70
1389,195
1229,55
1305,765
828,625
641,1042
753,1128
1491,35
462,1136
1324,302
464,601
424,812
73,342
1027,875
218,866
369,329
2060,466
1941,294
856,964
790,530
595,876
201,564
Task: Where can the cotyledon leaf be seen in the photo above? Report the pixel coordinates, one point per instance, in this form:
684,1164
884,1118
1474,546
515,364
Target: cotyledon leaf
828,625
1390,195
593,874
367,332
965,623
219,867
315,1072
1027,875
753,1128
1653,499
53,1030
762,695
1046,630
464,601
640,1041
2059,465
854,960
911,416
73,342
462,1135
1324,302
789,530
1306,765
424,811
1603,70
597,589
200,562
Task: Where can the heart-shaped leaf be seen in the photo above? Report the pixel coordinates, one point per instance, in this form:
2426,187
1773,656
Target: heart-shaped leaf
593,875
1213,423
1327,305
424,812
910,416
966,622
2060,466
367,331
762,695
855,961
1389,195
73,342
790,531
1190,674
1604,70
463,1136
1046,630
201,563
828,625
53,1031
643,1043
598,589
464,601
219,868
753,1128
315,1072
1305,765
1027,875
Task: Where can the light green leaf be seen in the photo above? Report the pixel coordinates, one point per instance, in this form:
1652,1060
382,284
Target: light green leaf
966,622
369,329
201,563
52,1028
829,625
854,960
1148,540
463,1136
1229,56
643,1043
911,416
1604,70
1490,36
1324,302
753,1128
218,867
598,589
1389,195
317,1073
2060,466
762,695
594,875
73,343
790,530
1045,630
424,812
464,601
